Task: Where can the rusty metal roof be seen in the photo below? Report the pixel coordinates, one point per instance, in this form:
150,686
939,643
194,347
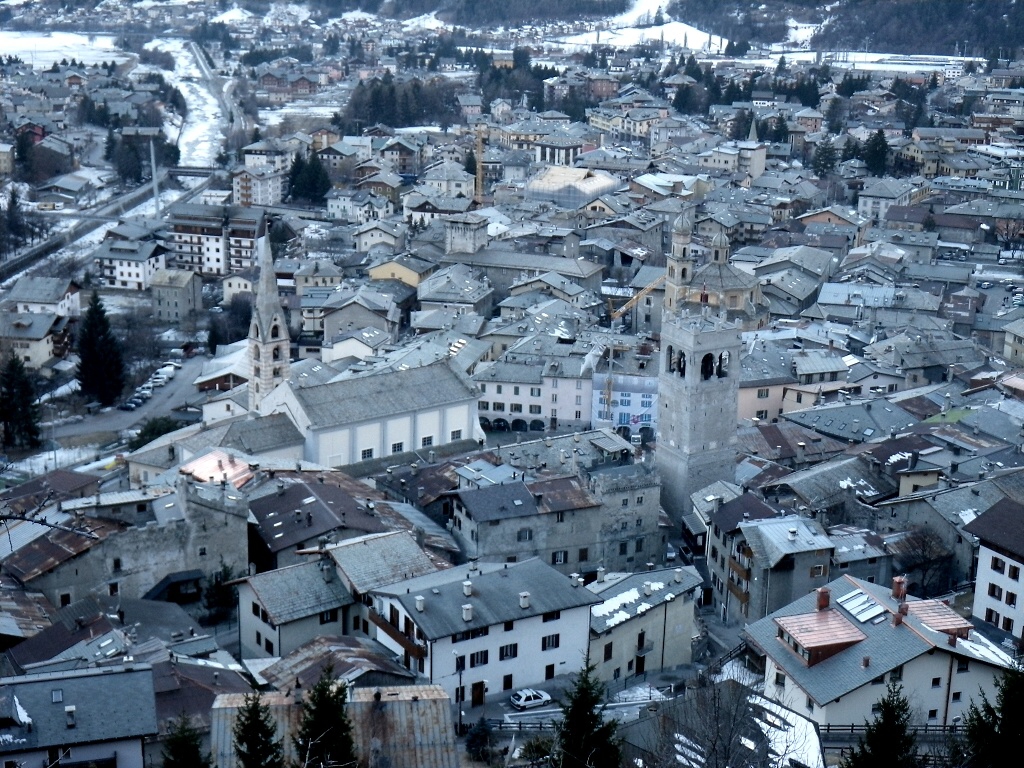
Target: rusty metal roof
47,552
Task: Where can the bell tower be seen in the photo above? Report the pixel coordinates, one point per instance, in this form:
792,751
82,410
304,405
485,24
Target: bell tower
679,263
698,392
269,344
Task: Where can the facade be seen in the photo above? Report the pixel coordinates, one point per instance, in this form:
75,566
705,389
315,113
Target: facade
128,264
830,653
1000,560
215,239
491,630
645,622
258,185
176,295
269,344
698,393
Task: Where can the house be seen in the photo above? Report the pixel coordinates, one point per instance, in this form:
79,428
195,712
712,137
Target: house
56,295
876,198
280,610
1000,559
129,264
375,415
830,653
258,185
405,268
36,337
390,234
215,239
492,628
379,714
646,621
177,295
97,716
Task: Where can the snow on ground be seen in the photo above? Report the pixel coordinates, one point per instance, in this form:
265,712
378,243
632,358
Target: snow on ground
427,21
624,30
41,463
286,14
358,16
638,693
800,34
41,49
299,109
200,139
233,16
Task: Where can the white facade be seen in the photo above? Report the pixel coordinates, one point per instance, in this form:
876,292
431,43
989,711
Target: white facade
130,273
260,638
997,591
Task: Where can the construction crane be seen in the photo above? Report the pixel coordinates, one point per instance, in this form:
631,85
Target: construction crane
478,182
633,302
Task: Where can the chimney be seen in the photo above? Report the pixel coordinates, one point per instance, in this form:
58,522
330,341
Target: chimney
952,641
524,599
420,600
716,502
467,612
216,678
650,566
792,534
600,574
69,714
647,589
280,487
677,576
865,662
467,588
904,609
801,453
538,499
574,578
823,598
897,618
899,588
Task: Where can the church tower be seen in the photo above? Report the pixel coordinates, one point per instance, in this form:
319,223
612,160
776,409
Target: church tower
698,392
680,263
269,344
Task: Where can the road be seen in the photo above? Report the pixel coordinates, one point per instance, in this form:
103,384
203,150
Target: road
175,393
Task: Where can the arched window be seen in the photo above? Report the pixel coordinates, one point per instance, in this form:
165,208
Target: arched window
256,352
681,364
670,361
255,331
274,332
723,365
671,272
707,367
277,353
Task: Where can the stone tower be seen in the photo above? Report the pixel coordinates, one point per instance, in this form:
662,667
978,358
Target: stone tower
269,344
680,264
698,389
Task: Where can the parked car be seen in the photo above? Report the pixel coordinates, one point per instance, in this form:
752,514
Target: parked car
172,363
985,284
127,406
528,698
671,553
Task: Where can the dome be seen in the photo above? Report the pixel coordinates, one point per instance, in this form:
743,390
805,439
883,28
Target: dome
720,240
683,223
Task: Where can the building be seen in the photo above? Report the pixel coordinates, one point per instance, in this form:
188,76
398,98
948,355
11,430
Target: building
214,239
378,714
830,653
1000,560
98,716
56,295
129,264
646,622
258,185
269,344
176,295
380,414
492,628
698,393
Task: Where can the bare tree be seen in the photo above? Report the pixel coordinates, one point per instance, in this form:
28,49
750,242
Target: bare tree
1010,234
926,559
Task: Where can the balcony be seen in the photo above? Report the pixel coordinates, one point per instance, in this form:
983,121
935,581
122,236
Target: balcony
643,650
739,570
740,594
415,651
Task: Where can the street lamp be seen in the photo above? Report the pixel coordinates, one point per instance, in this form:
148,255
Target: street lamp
459,693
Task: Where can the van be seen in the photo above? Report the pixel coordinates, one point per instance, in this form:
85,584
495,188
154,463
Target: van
167,372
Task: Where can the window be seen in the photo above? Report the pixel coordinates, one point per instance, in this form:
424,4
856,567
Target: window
1011,599
551,616
506,683
818,570
936,682
956,695
549,642
509,651
994,590
483,405
584,554
456,434
962,665
640,544
998,564
255,608
524,534
515,407
509,625
478,659
762,394
460,663
1007,624
639,500
515,390
500,407
113,589
896,674
762,415
397,447
933,714
535,410
498,389
534,391
780,680
607,651
623,548
427,441
117,564
810,704
554,398
1014,573
992,617
259,639
560,557
269,645
329,617
366,454
878,680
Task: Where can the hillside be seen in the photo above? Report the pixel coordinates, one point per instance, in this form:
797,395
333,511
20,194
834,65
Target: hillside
897,26
480,12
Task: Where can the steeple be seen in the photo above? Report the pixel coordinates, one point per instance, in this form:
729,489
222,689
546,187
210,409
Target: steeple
680,262
752,135
269,344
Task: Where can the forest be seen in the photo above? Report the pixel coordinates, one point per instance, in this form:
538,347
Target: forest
944,27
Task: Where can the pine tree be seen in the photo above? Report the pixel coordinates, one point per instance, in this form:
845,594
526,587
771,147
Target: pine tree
887,742
295,176
875,153
101,372
585,739
824,161
19,415
325,733
994,730
255,734
183,745
470,163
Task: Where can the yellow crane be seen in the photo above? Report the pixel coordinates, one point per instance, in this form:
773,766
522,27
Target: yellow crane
633,302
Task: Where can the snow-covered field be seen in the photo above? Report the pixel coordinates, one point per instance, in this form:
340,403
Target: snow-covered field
625,30
41,49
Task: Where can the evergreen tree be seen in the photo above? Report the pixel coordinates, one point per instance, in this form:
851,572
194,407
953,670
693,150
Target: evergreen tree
994,730
325,733
887,742
110,145
183,745
824,161
313,183
470,163
255,734
19,415
478,742
101,373
585,739
851,150
295,175
875,153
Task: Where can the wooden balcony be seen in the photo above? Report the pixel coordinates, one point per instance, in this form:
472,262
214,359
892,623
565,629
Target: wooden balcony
739,570
414,650
738,593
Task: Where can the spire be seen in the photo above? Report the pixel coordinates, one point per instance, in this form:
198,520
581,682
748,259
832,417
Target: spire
752,136
269,345
268,304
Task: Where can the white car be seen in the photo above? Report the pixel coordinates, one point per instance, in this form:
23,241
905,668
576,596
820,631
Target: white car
529,698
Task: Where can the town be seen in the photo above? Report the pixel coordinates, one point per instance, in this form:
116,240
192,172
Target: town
381,391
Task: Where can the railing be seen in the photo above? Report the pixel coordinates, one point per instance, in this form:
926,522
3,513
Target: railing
522,725
743,597
739,570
